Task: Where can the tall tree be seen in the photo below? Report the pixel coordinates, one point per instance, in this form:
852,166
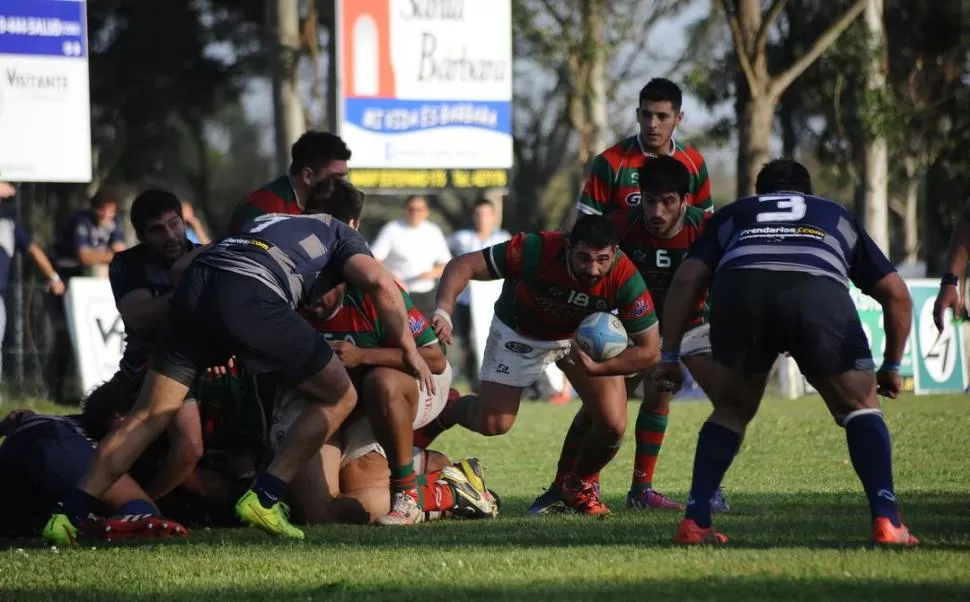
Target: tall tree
751,30
573,59
876,155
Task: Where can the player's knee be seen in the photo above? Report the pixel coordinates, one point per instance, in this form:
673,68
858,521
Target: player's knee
497,424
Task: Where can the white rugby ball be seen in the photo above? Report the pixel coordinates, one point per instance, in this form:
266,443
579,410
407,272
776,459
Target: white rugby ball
602,336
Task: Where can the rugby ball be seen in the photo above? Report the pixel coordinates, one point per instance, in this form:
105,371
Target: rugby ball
602,336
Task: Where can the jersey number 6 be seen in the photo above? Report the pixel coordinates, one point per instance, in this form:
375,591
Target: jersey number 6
794,208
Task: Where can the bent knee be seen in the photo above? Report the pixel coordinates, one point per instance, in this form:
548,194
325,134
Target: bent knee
497,424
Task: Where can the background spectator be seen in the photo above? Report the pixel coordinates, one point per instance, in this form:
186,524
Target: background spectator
485,233
415,251
87,242
194,230
84,246
14,238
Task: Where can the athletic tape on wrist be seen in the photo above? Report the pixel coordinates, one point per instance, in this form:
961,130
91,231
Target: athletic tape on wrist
444,316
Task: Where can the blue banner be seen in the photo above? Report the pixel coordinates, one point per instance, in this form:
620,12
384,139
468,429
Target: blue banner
43,28
395,116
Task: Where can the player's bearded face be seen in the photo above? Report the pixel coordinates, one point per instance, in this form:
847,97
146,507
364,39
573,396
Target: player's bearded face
328,303
663,213
589,264
165,236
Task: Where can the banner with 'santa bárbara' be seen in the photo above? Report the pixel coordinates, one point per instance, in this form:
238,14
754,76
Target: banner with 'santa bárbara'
426,84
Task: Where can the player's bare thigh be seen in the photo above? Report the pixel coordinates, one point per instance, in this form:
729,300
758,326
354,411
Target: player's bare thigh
366,490
847,392
736,396
317,485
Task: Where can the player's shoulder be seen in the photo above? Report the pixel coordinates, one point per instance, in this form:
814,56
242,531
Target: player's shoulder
131,257
689,152
695,217
624,219
619,150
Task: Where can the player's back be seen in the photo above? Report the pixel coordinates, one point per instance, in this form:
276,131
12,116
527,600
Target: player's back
289,253
789,233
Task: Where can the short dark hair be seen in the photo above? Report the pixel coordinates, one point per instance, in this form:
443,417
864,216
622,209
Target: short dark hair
663,174
783,175
102,199
108,401
336,196
415,197
483,203
594,230
153,204
660,89
316,149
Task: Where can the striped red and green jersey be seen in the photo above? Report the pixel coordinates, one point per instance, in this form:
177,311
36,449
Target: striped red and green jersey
657,259
542,300
276,197
358,322
614,182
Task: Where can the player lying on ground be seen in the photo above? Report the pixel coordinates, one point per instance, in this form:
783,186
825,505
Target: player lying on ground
552,282
655,235
240,297
348,481
393,399
41,461
781,263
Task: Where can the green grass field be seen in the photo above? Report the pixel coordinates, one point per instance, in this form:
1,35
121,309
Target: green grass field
798,531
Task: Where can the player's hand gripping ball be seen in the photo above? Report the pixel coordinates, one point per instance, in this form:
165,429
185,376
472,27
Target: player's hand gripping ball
602,336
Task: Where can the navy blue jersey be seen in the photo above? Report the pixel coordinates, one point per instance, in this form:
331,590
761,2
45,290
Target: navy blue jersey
791,232
131,270
300,257
83,230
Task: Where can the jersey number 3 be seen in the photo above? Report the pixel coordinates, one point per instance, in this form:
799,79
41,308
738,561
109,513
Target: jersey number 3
790,208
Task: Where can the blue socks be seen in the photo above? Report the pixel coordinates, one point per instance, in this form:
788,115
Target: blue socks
78,506
716,448
870,449
270,489
137,508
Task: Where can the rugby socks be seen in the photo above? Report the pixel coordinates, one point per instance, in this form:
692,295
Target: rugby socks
716,448
270,489
138,508
650,430
78,506
571,446
405,479
595,454
455,412
870,449
438,495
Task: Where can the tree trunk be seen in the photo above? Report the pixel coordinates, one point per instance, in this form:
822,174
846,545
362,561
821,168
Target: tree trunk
588,97
877,150
288,117
754,140
911,211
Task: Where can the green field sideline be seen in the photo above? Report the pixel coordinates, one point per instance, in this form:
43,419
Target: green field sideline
798,531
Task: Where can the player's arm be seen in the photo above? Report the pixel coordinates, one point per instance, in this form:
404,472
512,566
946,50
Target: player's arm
391,357
361,270
139,309
689,283
640,320
952,283
184,451
23,242
117,240
595,197
876,276
702,196
492,263
87,253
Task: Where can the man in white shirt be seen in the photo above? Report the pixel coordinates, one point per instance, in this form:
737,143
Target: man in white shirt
485,234
415,251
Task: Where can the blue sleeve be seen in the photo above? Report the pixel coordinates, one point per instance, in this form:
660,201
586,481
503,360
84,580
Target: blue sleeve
116,235
708,248
21,238
349,243
867,264
82,232
124,279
